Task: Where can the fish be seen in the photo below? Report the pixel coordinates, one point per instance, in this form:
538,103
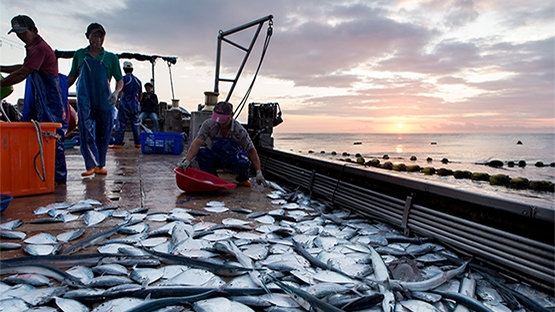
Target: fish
71,235
381,273
304,299
10,225
42,250
9,246
41,269
70,305
465,300
93,239
155,304
431,283
28,278
13,235
241,210
219,269
216,209
93,217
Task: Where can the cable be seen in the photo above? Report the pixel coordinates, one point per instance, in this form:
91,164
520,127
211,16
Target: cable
241,104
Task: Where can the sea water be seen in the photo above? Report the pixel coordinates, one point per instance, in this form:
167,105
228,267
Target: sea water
462,151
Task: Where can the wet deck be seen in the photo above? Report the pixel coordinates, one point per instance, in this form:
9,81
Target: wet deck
134,180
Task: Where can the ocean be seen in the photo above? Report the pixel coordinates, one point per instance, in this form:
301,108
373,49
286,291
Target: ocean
463,151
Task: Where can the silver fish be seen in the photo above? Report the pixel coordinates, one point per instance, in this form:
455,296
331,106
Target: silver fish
220,304
11,225
83,273
12,235
9,246
94,217
216,209
13,304
42,250
71,235
146,276
108,281
30,279
110,269
70,305
40,296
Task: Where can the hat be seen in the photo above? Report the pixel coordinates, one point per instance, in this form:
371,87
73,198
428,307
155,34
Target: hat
21,23
127,64
222,111
94,27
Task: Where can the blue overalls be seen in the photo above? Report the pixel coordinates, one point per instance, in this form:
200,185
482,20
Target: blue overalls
226,153
96,116
128,109
45,101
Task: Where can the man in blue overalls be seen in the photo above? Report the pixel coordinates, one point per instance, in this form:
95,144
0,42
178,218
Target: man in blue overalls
45,89
128,108
95,67
231,147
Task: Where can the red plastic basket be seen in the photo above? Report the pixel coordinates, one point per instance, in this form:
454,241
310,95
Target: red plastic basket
194,180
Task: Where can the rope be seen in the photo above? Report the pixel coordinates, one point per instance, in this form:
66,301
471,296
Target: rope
264,49
38,132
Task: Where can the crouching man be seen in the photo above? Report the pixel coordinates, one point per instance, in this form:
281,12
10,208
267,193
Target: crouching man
231,147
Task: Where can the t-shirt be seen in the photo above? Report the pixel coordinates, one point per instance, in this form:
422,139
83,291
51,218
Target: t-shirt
40,57
210,129
109,59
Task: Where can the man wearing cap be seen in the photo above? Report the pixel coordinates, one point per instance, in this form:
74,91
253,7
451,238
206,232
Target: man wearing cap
128,108
149,106
45,90
95,68
231,147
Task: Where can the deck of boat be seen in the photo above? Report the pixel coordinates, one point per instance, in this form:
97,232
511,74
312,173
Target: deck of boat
134,180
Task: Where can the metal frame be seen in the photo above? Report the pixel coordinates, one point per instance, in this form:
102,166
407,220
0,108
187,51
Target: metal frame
222,37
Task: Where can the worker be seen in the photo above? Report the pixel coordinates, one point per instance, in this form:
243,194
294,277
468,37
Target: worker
128,108
231,147
45,98
95,67
149,106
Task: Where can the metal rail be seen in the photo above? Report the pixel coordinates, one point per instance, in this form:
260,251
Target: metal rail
511,252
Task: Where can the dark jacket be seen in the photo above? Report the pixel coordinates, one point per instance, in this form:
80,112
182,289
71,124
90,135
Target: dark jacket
149,103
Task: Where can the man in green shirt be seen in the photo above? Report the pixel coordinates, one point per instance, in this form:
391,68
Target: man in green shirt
95,67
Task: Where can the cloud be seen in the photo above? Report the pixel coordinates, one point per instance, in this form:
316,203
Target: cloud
457,65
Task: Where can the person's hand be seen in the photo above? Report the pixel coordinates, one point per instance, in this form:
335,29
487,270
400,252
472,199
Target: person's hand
260,178
113,98
184,164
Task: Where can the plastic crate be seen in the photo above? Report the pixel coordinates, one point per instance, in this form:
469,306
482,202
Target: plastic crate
162,142
19,145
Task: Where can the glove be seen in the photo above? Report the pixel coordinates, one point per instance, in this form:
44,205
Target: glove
184,164
113,98
260,178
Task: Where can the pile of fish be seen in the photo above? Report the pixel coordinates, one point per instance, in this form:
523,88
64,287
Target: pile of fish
303,256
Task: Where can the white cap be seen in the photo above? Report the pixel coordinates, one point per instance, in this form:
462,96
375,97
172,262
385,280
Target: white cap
127,64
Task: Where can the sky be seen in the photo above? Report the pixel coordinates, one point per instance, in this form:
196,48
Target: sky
386,66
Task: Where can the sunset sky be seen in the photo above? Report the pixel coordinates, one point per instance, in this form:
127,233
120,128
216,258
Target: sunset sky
333,66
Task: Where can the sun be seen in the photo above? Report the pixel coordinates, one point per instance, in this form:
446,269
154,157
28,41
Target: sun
399,126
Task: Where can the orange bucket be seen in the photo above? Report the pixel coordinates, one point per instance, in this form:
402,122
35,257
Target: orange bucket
18,164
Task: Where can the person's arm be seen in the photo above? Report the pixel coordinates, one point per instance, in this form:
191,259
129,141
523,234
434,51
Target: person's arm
71,80
193,150
9,68
253,155
16,76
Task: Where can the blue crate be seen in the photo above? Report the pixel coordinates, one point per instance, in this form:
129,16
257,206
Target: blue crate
162,142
